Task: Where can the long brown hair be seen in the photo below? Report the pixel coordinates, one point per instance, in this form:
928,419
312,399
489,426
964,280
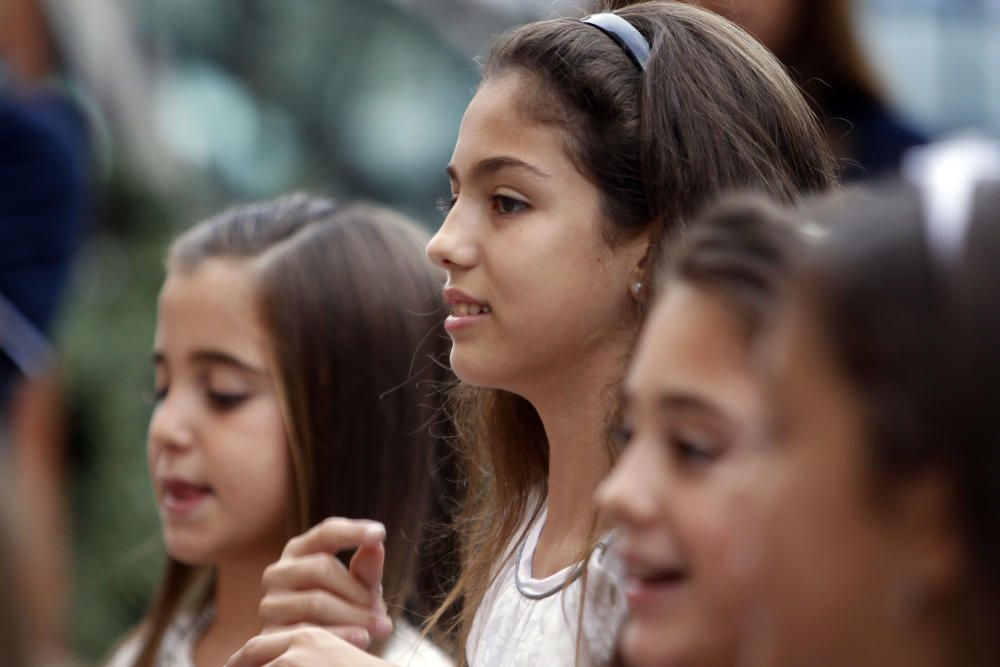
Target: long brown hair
914,334
353,309
713,112
743,251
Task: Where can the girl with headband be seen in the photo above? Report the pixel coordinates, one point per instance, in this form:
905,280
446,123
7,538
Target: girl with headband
586,151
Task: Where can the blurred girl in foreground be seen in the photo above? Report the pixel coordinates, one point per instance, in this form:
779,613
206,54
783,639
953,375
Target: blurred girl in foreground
694,412
879,501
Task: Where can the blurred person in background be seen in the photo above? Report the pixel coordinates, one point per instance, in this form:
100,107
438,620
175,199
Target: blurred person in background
818,42
44,151
14,639
876,510
297,365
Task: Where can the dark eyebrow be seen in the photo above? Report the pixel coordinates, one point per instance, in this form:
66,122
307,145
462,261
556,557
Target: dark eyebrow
494,164
212,357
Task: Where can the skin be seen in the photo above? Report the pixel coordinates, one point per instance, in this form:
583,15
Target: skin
694,411
523,235
217,425
832,561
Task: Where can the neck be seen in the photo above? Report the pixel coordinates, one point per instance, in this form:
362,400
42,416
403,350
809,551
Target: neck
237,598
574,411
238,594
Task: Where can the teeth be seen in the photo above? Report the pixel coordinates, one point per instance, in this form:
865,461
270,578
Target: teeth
463,309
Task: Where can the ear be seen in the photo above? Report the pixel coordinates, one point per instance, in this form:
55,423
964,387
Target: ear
640,280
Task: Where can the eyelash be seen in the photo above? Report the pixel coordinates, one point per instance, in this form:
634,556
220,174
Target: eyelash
689,450
156,396
445,204
225,402
518,204
218,401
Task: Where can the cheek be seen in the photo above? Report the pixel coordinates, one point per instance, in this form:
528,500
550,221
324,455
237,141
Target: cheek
256,460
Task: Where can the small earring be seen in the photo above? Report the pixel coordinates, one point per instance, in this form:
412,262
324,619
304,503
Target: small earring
636,289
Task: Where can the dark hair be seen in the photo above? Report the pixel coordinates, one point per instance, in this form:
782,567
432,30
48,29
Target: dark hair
915,335
353,309
825,54
743,251
713,112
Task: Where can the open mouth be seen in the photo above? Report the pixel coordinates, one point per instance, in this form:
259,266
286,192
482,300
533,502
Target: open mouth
663,578
182,498
647,585
466,309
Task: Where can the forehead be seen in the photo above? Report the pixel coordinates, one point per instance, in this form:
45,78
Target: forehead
495,124
691,344
212,306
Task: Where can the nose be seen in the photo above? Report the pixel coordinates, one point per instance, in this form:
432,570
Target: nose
171,424
629,495
453,247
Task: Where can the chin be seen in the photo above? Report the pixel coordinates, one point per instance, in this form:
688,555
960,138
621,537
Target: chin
188,551
473,369
641,647
653,645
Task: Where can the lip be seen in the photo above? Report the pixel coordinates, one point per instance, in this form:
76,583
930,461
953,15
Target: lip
454,323
645,591
180,498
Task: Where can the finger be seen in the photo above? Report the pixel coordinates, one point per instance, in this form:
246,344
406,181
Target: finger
353,634
261,650
317,571
334,535
368,563
314,608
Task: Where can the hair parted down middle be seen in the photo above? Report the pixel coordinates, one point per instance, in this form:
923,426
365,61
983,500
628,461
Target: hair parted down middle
352,309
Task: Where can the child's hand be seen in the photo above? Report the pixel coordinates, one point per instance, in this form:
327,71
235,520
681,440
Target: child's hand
302,647
309,585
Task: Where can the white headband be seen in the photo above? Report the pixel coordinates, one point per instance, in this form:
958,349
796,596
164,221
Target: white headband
947,174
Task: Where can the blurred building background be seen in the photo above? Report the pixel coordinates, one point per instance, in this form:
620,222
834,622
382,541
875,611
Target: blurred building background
940,59
195,105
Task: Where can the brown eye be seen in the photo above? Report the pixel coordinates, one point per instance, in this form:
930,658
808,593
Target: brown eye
505,205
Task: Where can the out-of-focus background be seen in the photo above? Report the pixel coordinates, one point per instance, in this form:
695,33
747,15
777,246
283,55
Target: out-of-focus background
161,112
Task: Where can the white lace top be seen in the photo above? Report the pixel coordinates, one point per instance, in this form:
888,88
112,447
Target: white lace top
405,647
526,622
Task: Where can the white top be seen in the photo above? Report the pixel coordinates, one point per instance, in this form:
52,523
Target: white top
524,621
405,648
